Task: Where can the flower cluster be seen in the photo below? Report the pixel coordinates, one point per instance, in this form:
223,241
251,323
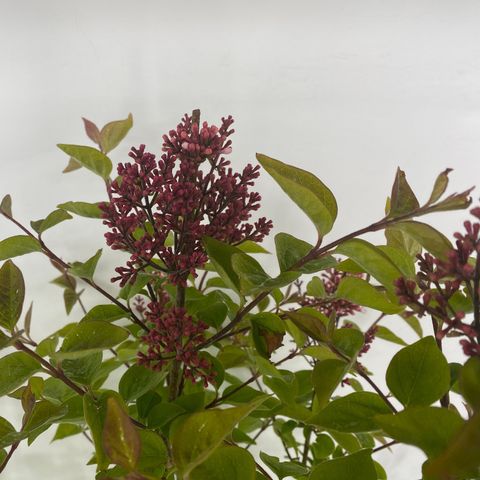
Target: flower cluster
342,308
445,286
159,210
174,335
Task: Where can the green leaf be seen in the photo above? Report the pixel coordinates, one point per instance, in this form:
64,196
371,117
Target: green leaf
212,313
16,368
44,413
430,239
5,427
401,241
469,382
82,370
248,246
70,298
83,209
90,158
195,437
254,279
306,190
220,254
353,413
439,187
349,341
359,291
114,132
414,324
456,201
163,414
403,199
90,337
316,288
95,410
232,463
429,428
105,313
250,273
18,245
283,469
326,376
372,260
65,430
402,259
6,205
121,440
419,374
358,466
461,459
54,218
12,295
153,454
348,441
72,165
129,290
290,250
137,381
86,269
386,334
313,325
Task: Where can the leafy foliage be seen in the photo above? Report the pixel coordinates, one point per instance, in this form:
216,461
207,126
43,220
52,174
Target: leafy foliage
204,351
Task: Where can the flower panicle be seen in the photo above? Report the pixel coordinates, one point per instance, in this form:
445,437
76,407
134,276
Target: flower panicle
440,280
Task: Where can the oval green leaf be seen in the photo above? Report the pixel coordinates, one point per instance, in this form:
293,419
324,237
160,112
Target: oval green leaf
358,466
306,190
114,132
428,428
137,381
359,291
18,245
16,368
12,295
196,436
83,209
90,158
90,337
232,463
372,260
353,413
419,374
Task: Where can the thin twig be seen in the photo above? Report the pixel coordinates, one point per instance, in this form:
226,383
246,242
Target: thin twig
249,381
386,445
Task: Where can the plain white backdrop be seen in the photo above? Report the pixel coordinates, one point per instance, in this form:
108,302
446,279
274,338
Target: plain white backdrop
346,89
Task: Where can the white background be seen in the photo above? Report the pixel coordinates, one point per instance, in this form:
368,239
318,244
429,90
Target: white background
346,89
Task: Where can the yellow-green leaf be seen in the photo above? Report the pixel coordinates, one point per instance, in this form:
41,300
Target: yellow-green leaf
54,218
114,132
90,158
372,260
83,209
306,190
232,463
439,187
359,291
196,436
18,245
